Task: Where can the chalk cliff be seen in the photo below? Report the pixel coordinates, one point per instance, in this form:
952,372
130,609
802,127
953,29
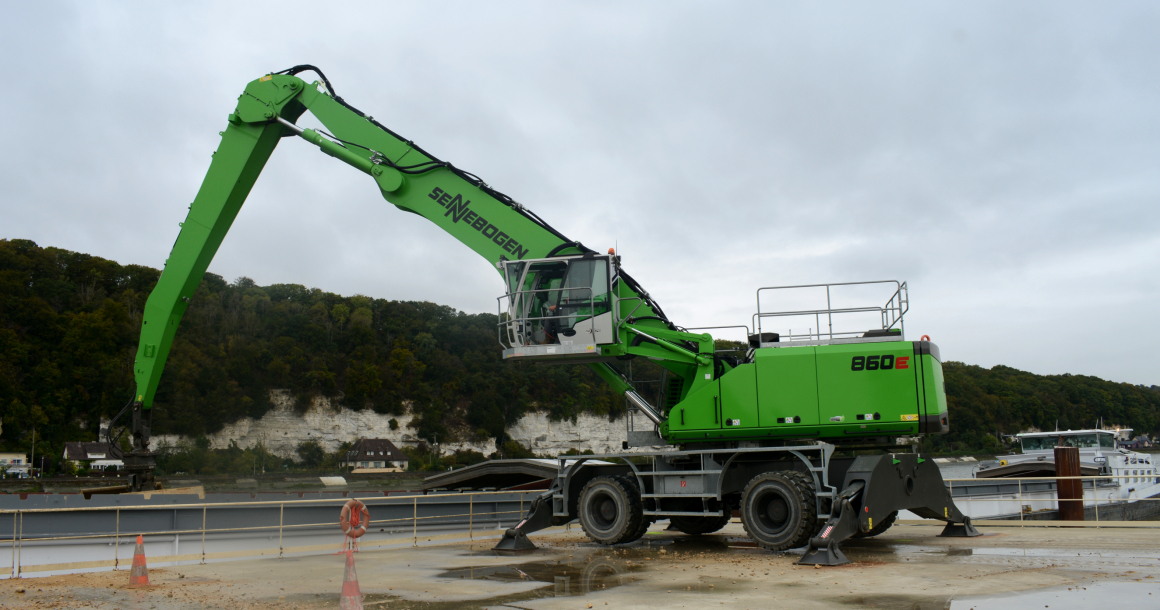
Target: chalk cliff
281,430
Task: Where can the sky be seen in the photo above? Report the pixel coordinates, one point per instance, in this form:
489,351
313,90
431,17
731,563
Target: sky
1001,158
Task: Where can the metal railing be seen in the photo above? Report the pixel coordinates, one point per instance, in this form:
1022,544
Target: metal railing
891,313
483,509
1026,514
486,509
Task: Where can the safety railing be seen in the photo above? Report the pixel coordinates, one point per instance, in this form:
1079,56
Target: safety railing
1026,497
891,313
484,512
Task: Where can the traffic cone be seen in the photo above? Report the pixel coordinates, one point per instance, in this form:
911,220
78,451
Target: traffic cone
351,595
139,577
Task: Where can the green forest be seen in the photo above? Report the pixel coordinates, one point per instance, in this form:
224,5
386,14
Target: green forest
69,325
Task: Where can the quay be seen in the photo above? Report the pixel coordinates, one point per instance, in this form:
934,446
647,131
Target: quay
907,567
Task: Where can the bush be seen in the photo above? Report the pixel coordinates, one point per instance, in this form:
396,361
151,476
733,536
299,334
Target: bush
312,454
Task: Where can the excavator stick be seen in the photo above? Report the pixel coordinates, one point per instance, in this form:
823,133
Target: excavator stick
877,486
539,516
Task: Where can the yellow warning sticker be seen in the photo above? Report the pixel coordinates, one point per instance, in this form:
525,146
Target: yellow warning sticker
910,417
870,522
265,78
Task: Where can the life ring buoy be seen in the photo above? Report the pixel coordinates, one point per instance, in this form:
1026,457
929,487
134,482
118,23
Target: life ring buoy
924,338
354,518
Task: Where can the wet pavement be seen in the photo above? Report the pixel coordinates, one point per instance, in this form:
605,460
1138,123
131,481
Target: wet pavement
909,568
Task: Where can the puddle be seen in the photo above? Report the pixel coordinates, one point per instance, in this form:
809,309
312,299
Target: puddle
1010,552
1125,594
897,602
567,577
560,578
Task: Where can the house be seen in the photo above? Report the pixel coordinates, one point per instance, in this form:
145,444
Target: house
375,455
15,464
94,455
1140,442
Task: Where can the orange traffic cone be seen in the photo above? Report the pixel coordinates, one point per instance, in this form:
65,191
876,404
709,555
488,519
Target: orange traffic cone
351,595
139,577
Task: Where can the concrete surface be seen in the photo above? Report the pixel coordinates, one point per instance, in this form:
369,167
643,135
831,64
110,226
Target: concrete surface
908,567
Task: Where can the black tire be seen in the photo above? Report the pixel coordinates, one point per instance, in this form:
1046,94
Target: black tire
879,527
645,520
695,526
778,510
808,481
610,510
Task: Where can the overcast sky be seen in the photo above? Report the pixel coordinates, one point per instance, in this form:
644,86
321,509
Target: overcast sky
1000,157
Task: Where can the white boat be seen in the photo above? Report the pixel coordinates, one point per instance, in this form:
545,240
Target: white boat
1133,477
1038,456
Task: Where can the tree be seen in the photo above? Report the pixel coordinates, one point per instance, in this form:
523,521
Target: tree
311,453
70,323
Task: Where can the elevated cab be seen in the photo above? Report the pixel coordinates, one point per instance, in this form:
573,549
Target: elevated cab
560,309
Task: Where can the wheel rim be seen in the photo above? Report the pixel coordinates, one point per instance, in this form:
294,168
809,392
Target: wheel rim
773,510
603,510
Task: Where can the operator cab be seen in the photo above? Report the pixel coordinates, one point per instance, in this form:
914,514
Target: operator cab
558,308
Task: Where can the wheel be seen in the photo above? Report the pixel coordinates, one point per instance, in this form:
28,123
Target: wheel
808,481
610,510
778,510
695,526
645,520
879,527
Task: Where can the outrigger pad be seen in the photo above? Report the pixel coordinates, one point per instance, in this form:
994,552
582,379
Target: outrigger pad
539,516
515,541
960,530
829,555
823,549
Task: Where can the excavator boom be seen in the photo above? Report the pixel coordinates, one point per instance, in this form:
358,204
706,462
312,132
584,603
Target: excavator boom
488,222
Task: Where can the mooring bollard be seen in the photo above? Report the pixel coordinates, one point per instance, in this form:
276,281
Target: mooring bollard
1068,487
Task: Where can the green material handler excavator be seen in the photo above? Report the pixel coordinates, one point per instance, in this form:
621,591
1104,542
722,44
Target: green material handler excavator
756,433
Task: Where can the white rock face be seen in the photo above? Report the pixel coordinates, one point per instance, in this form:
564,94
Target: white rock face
545,437
281,430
